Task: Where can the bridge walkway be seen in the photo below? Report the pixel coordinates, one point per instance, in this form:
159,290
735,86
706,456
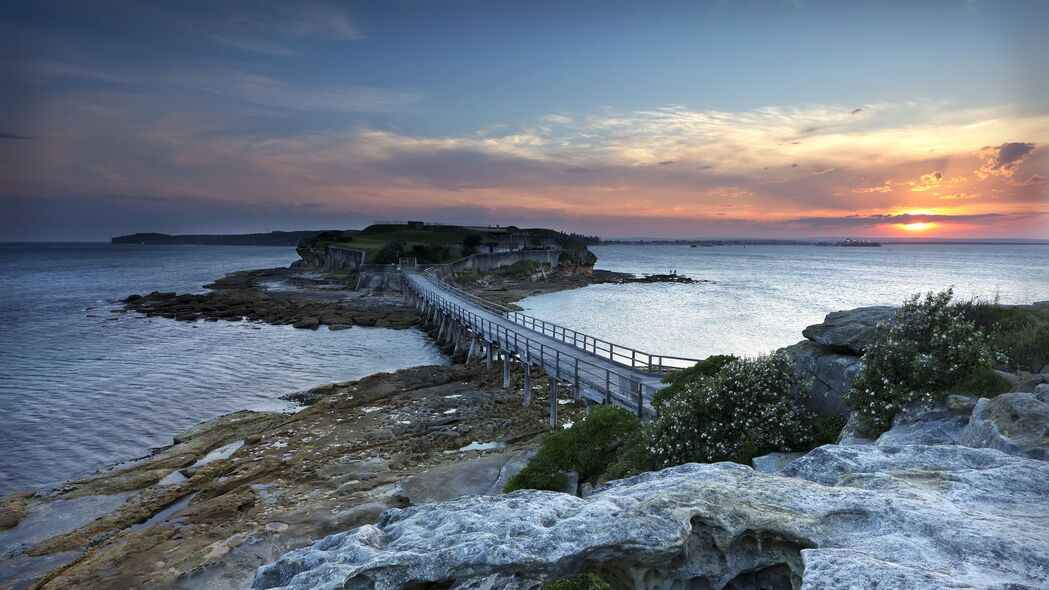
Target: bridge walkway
598,371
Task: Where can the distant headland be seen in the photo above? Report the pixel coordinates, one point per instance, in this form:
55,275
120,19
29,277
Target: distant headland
273,238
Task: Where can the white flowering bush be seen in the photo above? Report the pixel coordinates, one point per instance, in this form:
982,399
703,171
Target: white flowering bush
927,350
750,407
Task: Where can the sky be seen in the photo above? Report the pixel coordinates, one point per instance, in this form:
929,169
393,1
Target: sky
729,118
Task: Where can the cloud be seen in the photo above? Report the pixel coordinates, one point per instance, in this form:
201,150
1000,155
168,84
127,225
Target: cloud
5,135
1003,160
885,187
855,111
927,181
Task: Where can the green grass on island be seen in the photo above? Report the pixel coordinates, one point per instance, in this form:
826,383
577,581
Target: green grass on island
383,243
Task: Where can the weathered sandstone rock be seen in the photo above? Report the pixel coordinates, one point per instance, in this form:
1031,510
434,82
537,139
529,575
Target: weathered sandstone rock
829,375
1016,423
926,426
849,331
841,517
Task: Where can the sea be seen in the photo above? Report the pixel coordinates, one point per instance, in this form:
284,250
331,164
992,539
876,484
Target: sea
756,298
84,386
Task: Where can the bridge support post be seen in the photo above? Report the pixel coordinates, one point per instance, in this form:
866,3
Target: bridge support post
640,401
587,404
440,331
506,370
575,379
488,355
553,402
470,352
527,382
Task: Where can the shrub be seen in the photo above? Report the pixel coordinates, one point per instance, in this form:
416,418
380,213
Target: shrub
748,408
1020,333
578,582
588,448
926,350
707,367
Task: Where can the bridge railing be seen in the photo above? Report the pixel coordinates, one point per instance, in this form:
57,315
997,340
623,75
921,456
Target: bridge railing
624,355
612,387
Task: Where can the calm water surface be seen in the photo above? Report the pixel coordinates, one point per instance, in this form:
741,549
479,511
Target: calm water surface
763,296
82,387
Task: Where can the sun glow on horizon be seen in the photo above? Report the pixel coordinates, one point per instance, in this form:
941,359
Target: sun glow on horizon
917,226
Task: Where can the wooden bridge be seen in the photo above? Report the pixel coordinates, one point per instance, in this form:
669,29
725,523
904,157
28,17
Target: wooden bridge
598,371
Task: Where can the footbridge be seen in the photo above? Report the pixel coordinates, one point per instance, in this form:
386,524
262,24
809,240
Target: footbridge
597,370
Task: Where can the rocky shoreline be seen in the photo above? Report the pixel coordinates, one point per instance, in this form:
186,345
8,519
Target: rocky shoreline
240,490
281,296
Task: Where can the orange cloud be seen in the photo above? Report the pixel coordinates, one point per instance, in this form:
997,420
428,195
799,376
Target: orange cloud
1003,160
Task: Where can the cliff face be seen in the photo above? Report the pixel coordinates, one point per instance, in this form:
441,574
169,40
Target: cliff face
577,262
328,257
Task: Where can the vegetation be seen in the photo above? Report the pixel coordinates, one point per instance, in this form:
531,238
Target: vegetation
929,349
437,243
578,582
746,408
707,367
1019,333
588,448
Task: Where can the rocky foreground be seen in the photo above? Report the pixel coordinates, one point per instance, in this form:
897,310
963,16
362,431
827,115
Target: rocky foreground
840,517
952,497
238,491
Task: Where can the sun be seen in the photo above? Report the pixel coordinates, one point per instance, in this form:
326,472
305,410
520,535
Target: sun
916,226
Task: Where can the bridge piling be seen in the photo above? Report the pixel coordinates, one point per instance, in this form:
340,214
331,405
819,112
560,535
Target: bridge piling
553,402
506,370
488,355
527,382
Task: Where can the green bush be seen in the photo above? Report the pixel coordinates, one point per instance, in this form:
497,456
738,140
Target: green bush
1019,333
578,582
748,408
588,448
707,367
928,349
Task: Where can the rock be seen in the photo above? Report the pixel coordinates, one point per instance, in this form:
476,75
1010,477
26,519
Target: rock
1027,382
571,483
1011,378
485,475
840,517
1042,392
829,375
307,323
1016,423
926,426
853,433
960,403
9,517
774,462
849,331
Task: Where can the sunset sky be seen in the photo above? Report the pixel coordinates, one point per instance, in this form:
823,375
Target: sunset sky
748,118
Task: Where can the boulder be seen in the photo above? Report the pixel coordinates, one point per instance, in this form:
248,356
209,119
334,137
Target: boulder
774,462
849,331
1016,423
829,375
926,426
854,432
840,517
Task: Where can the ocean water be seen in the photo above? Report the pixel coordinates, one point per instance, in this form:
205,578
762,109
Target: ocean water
762,297
82,387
